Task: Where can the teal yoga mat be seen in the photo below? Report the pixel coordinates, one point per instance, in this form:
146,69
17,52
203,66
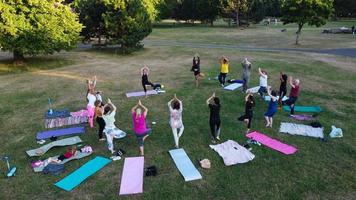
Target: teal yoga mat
185,165
310,109
78,176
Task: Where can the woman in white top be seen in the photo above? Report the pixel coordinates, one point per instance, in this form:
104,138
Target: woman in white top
263,82
91,98
175,109
111,131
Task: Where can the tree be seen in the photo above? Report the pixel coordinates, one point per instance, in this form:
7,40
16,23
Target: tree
311,12
208,10
127,22
345,8
37,27
234,8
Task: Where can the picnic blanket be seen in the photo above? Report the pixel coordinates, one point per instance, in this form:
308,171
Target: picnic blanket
309,109
132,176
301,129
60,132
185,165
272,143
233,86
232,153
43,149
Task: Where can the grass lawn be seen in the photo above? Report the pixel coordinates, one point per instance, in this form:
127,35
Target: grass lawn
319,170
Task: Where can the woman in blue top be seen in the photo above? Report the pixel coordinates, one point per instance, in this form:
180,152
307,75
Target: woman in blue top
272,107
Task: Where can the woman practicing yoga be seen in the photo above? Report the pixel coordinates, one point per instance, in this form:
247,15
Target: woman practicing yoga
272,107
246,66
175,109
283,87
214,105
224,70
249,104
99,110
91,98
139,124
71,151
144,74
293,95
196,69
111,131
263,82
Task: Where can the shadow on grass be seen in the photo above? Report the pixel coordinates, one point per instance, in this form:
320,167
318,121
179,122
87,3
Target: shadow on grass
33,63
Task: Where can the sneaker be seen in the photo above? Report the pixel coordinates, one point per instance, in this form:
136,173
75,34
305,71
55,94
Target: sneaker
213,141
222,85
218,138
41,141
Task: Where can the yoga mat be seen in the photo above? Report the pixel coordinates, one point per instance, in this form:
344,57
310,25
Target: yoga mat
78,176
272,143
301,129
310,109
60,132
57,113
254,89
233,86
132,176
43,149
302,117
185,165
139,94
268,98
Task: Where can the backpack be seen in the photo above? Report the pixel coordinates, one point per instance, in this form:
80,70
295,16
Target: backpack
54,169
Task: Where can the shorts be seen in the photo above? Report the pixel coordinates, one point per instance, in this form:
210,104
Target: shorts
270,113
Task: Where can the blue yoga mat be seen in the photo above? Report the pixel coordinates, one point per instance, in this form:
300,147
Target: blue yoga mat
185,165
310,109
60,132
58,114
78,176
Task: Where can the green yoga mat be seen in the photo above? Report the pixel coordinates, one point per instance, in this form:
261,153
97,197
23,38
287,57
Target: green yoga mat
310,109
78,176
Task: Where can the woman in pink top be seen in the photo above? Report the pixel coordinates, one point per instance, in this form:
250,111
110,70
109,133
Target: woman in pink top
139,124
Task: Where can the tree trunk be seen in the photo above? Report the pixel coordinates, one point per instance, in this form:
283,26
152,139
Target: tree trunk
300,26
237,18
18,56
99,41
211,22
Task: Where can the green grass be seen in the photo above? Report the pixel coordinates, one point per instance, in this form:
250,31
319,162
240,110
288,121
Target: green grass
319,170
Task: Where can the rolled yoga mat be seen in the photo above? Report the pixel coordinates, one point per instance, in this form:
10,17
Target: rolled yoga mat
233,86
139,94
272,143
60,132
132,176
43,149
78,176
309,109
185,165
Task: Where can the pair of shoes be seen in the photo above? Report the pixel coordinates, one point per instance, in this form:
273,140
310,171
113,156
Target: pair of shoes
115,158
102,139
41,141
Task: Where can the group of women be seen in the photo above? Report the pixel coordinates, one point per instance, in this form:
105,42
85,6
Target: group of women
105,113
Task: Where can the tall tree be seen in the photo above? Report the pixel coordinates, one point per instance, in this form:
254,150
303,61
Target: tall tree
208,10
234,8
311,12
345,8
37,27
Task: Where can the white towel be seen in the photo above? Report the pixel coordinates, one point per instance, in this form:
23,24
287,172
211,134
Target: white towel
301,129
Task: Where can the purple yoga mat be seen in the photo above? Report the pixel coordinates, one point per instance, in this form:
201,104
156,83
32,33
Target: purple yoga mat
303,117
139,94
60,132
272,143
132,176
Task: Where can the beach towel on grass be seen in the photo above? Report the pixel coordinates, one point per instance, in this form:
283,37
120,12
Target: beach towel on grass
78,176
254,89
132,176
301,129
185,165
272,143
67,121
43,149
142,93
57,113
232,153
60,132
308,109
79,155
302,117
233,86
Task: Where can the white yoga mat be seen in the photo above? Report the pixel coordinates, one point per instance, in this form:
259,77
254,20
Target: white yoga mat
301,129
233,86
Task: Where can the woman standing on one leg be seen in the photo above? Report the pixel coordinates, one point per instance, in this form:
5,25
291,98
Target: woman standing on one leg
263,82
249,104
196,69
99,118
175,109
272,107
246,66
283,87
293,95
91,98
144,75
224,70
139,124
214,105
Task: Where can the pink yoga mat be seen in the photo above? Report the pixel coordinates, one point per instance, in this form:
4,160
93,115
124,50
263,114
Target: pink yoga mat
132,176
272,143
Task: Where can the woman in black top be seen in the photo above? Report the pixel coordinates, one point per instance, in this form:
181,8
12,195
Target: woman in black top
250,103
283,87
196,70
214,104
144,73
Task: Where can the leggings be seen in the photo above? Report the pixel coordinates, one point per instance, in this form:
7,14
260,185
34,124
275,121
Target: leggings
249,117
146,83
290,102
215,128
177,135
282,93
101,123
91,111
222,78
141,136
262,90
245,84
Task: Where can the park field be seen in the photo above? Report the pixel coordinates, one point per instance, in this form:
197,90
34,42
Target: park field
319,169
